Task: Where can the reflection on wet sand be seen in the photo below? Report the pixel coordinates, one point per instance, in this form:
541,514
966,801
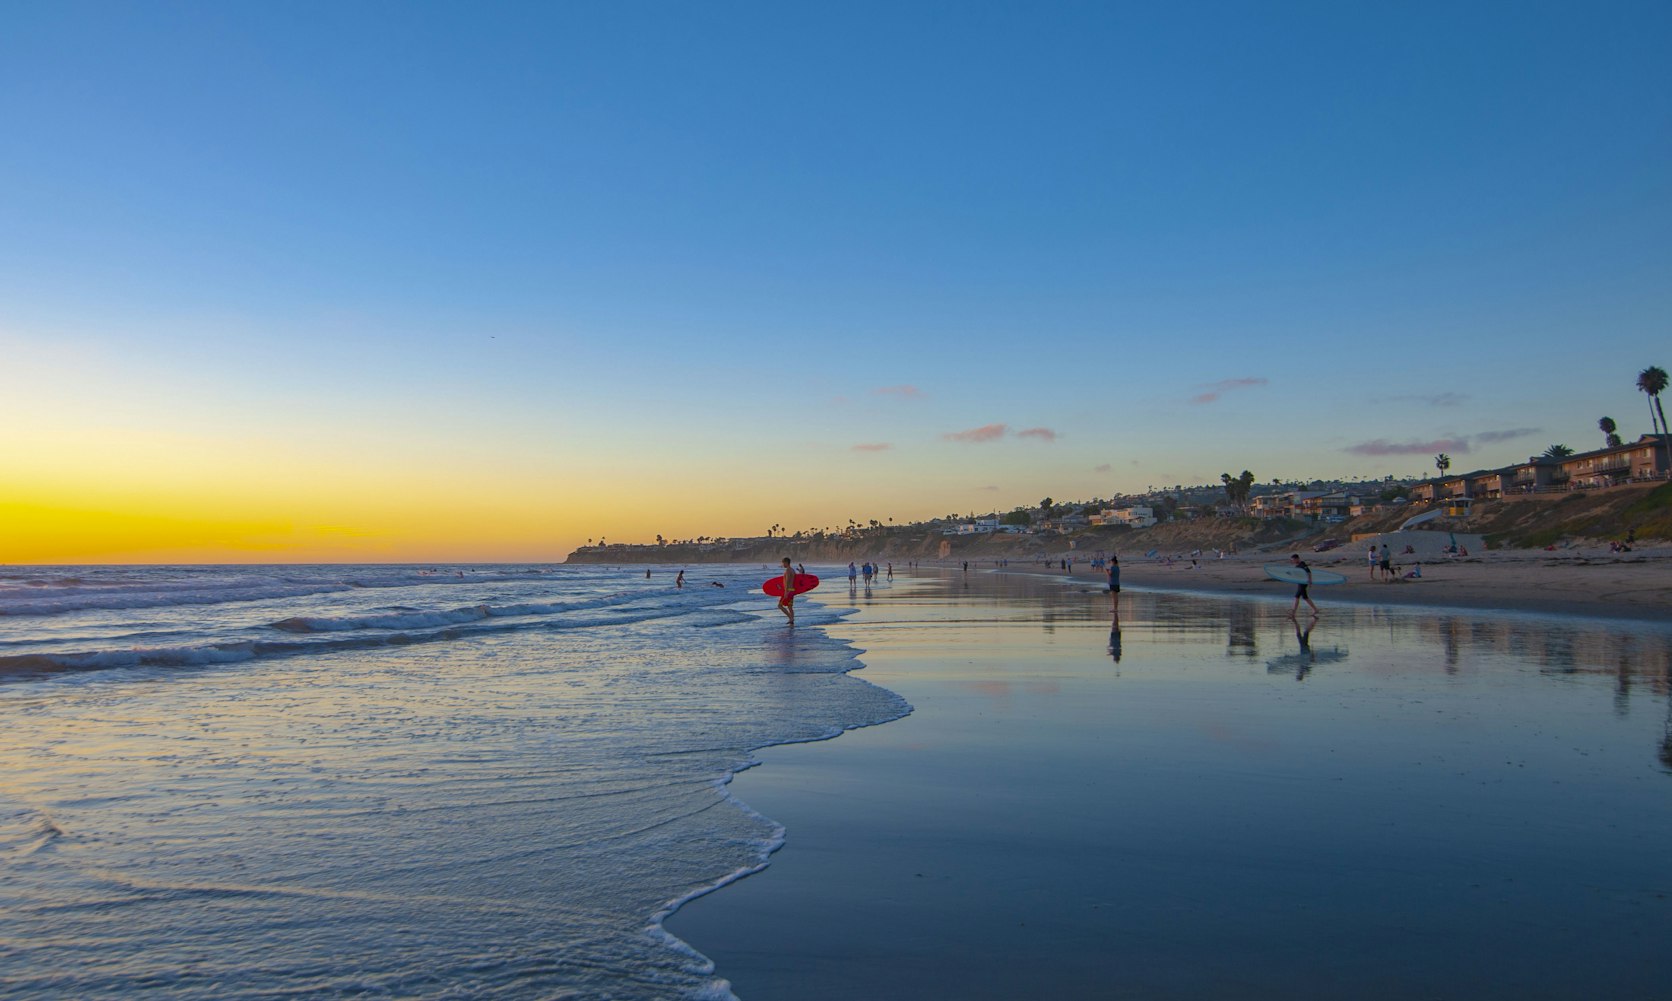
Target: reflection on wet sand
1301,663
1396,641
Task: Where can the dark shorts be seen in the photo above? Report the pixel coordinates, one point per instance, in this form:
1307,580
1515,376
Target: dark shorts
1387,564
1300,590
1114,588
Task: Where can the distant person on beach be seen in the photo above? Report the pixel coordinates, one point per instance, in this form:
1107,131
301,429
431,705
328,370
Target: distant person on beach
1114,584
1372,558
1387,564
1300,589
786,604
679,581
853,571
891,571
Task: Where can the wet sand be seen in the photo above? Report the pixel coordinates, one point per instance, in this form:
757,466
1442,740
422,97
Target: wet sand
1403,805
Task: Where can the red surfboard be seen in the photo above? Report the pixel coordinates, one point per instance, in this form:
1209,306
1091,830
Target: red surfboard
803,582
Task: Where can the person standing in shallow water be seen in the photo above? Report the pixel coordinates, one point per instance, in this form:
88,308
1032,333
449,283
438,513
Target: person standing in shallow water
1114,584
786,604
1300,589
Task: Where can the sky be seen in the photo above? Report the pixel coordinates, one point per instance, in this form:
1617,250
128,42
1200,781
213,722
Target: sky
429,282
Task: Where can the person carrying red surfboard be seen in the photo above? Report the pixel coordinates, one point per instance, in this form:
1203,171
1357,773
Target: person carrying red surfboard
786,604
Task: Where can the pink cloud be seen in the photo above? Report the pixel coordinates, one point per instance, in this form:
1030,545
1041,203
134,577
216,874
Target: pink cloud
1381,446
986,432
878,446
1214,390
1043,434
903,392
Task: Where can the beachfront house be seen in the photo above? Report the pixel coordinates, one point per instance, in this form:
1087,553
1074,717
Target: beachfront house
1491,484
1136,516
1295,503
1335,507
1641,460
1536,475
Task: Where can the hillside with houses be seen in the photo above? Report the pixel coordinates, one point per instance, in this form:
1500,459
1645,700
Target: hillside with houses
1610,494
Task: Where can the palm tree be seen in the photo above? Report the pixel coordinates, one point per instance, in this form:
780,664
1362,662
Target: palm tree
1442,462
1237,488
1608,427
1652,381
1557,452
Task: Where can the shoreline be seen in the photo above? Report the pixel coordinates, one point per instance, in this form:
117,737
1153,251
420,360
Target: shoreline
1596,584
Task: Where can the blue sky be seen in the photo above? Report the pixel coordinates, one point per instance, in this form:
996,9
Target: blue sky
596,254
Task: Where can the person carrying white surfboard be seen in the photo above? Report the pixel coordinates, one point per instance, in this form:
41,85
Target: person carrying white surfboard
1300,588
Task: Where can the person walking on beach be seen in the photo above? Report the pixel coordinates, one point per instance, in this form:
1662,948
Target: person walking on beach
1372,559
1387,564
1114,584
1300,589
786,604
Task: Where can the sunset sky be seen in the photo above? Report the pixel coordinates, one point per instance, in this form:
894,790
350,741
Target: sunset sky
424,282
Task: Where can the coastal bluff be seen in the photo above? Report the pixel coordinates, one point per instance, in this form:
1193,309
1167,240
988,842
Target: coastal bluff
1580,517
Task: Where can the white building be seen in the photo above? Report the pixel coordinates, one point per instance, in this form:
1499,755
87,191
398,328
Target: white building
1136,516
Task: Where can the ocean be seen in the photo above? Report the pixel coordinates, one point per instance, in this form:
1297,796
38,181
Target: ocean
389,781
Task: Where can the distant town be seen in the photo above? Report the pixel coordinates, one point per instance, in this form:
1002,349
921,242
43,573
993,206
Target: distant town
1313,504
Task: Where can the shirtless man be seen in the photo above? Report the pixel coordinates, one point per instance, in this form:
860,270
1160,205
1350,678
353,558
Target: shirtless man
786,604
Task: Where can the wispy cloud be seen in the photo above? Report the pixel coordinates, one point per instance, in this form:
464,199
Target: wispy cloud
984,433
1486,437
1212,391
1381,446
1427,399
993,432
873,446
1459,443
1104,468
989,488
903,392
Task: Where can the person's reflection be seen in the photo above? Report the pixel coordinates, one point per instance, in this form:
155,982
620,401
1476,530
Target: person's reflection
1307,658
1241,638
1114,639
1666,738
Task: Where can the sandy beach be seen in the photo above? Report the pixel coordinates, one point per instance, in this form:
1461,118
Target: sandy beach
1211,801
1588,582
